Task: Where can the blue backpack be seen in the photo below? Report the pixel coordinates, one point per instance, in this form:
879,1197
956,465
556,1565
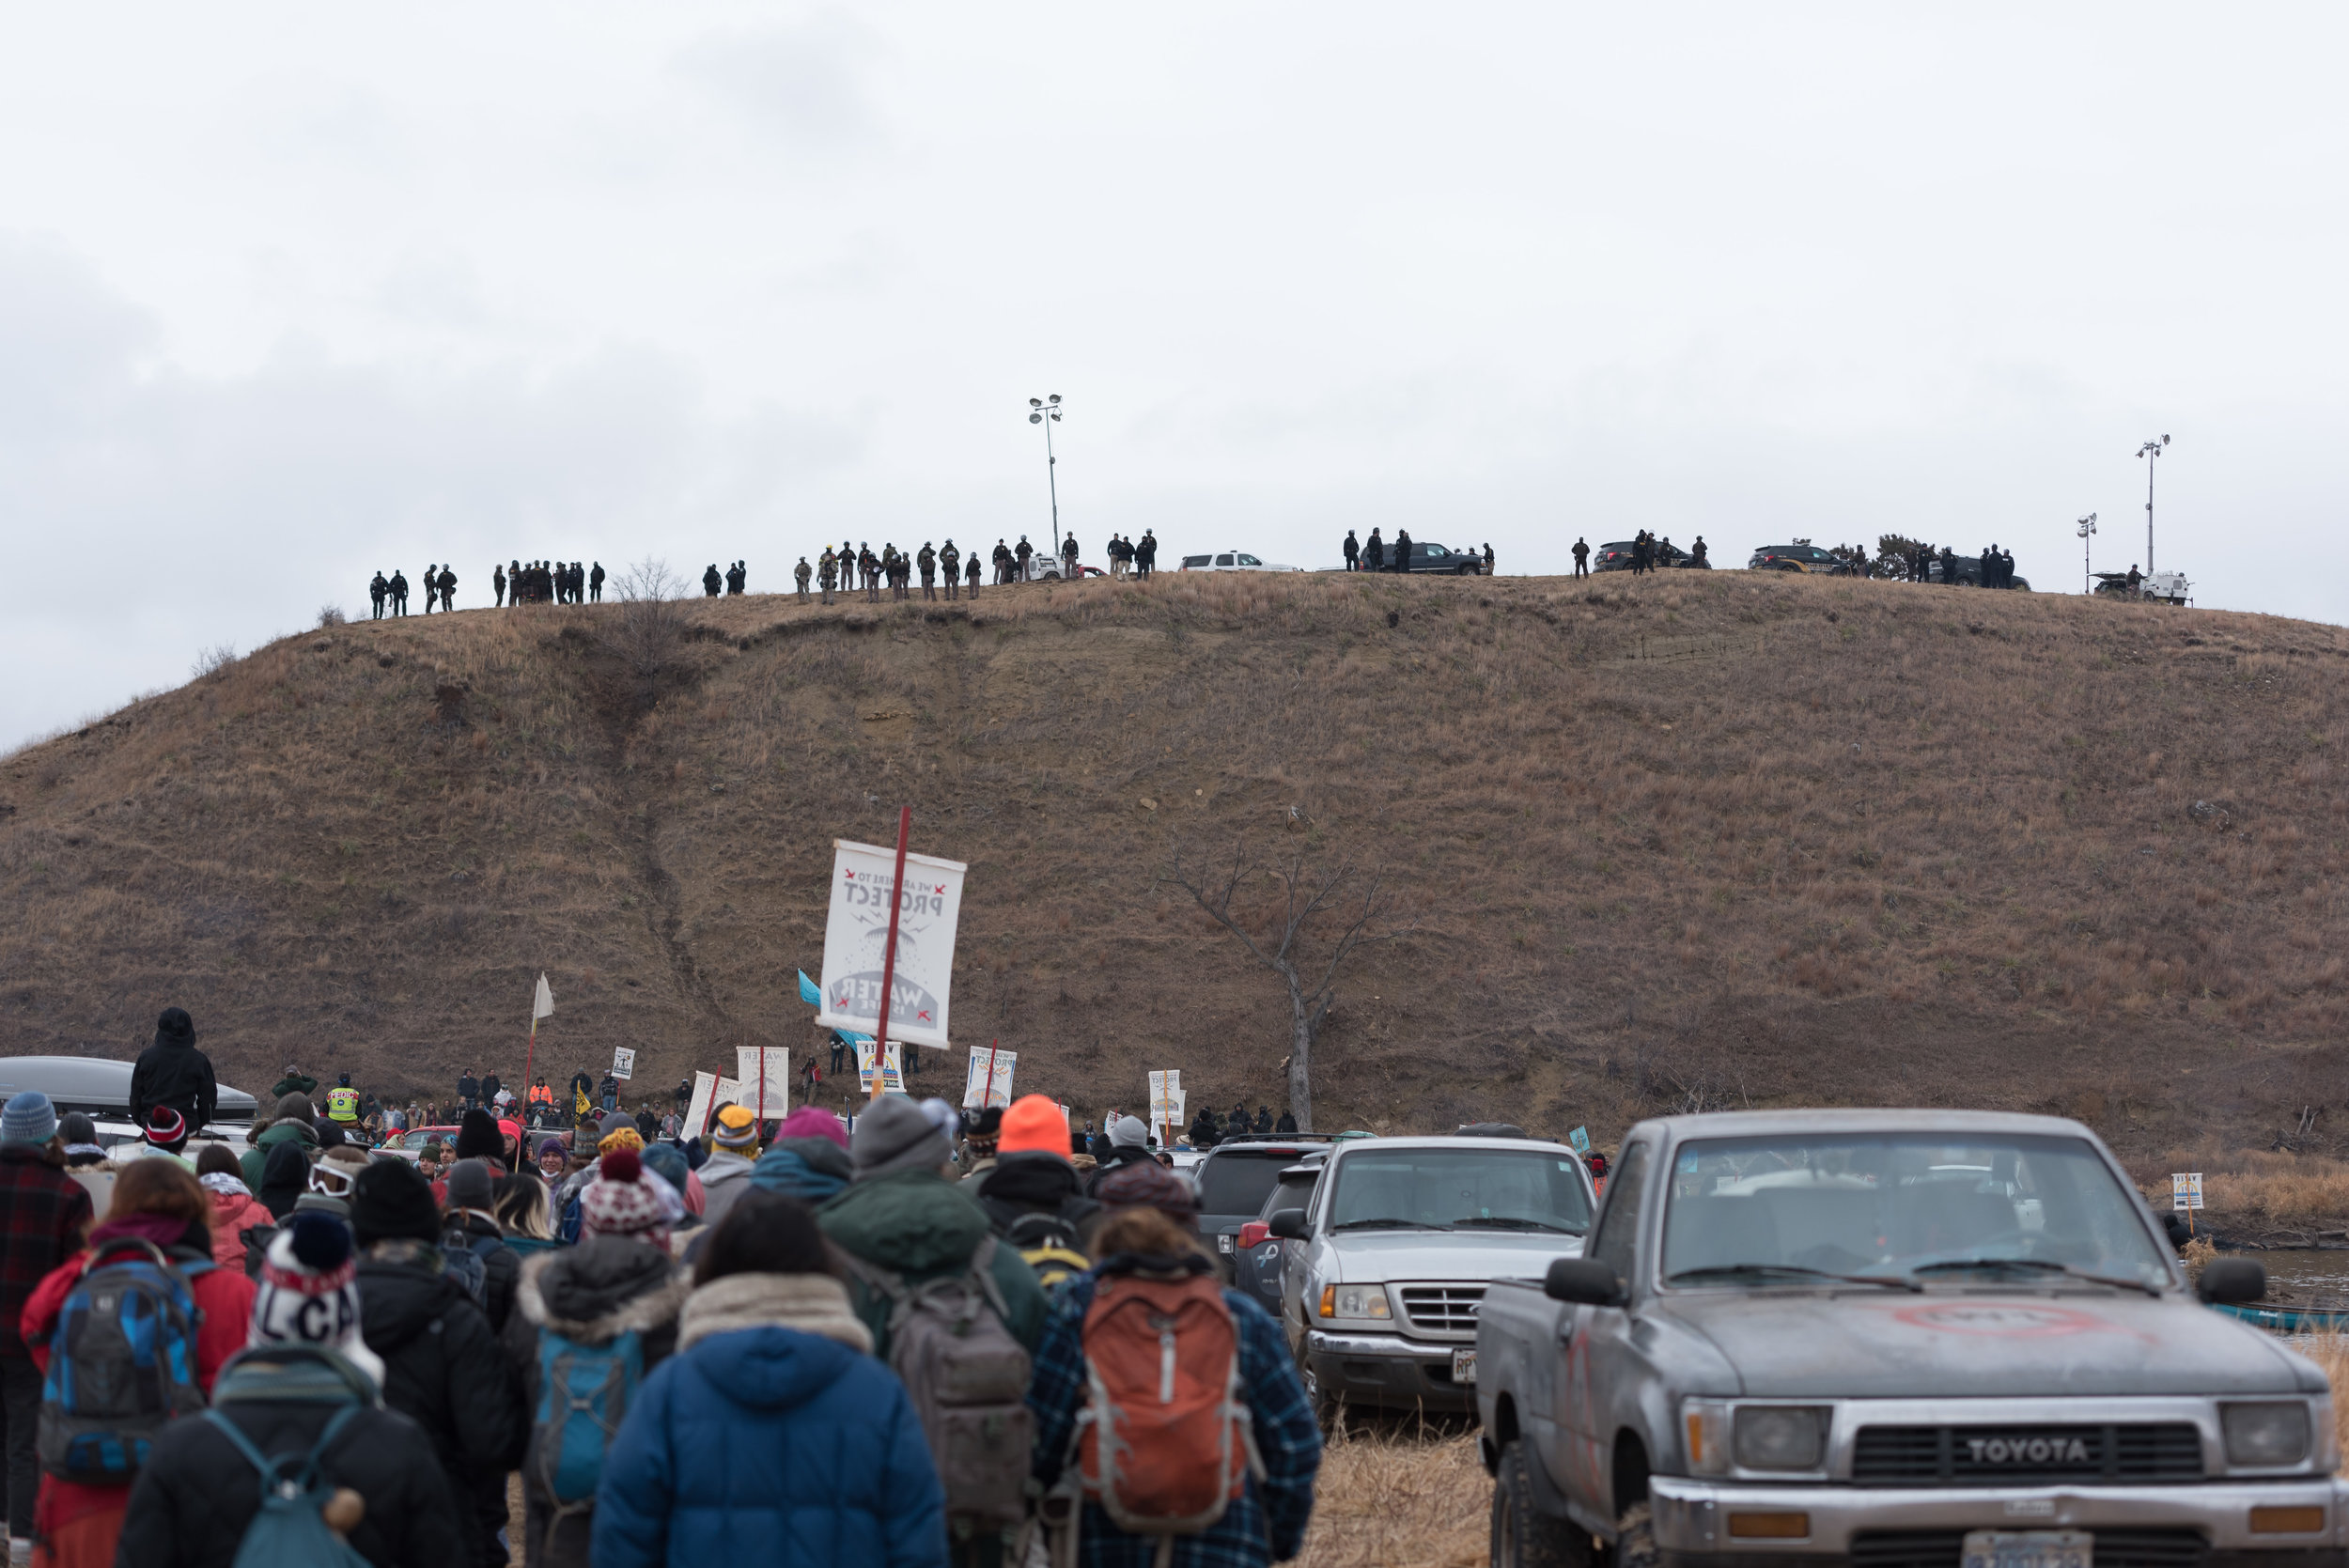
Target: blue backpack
584,1394
121,1362
290,1530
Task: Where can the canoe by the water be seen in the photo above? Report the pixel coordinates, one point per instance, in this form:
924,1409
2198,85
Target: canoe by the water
2288,1320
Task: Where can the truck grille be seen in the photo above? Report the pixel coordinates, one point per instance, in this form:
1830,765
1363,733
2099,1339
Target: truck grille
2114,1549
1442,1309
2030,1455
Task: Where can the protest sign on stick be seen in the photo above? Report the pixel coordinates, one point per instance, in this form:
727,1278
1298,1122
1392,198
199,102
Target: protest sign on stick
704,1100
764,1071
989,1081
863,966
623,1062
894,1077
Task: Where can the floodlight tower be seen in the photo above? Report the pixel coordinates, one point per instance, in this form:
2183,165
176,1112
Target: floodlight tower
2087,530
2149,451
1046,411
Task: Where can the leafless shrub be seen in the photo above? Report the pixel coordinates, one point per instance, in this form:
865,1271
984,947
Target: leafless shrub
648,633
218,657
330,614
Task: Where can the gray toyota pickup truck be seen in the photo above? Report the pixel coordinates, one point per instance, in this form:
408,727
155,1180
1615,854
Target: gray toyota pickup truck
1897,1340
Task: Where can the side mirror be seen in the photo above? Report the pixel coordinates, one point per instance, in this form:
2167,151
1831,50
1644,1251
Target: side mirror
1584,1281
1288,1224
2233,1280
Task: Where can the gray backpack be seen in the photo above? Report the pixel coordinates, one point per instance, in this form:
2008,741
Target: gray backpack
968,1378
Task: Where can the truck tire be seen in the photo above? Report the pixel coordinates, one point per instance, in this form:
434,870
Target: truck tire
1634,1539
1522,1535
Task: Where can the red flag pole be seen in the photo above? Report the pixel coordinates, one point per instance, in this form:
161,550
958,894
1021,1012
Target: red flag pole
889,956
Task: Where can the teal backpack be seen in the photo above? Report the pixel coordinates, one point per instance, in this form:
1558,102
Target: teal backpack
290,1529
584,1394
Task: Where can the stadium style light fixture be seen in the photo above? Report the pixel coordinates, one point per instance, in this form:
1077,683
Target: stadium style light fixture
1046,411
2087,530
2149,451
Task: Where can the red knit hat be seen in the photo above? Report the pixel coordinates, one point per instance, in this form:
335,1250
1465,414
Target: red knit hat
1032,1124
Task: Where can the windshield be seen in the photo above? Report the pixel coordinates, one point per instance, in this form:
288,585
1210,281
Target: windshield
1909,1207
1452,1188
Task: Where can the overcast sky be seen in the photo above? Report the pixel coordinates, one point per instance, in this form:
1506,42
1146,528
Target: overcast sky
288,293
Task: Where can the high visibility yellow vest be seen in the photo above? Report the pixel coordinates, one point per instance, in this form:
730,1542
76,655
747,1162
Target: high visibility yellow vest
342,1105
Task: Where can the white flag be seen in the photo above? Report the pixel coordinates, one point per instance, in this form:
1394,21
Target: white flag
543,1006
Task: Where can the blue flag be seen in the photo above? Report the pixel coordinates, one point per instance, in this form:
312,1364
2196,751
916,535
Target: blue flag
808,993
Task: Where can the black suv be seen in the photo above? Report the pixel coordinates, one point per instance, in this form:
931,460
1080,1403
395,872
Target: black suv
1234,1178
1435,557
1617,556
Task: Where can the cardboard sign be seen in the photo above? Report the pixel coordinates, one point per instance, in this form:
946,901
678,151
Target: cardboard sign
777,1063
1166,1093
989,1079
623,1062
1581,1139
857,929
894,1079
2185,1190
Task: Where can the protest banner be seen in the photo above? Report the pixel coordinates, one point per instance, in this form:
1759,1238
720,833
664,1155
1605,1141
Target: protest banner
765,1074
858,958
623,1062
989,1079
894,1079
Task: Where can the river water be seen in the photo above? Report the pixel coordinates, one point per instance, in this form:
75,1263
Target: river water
2306,1277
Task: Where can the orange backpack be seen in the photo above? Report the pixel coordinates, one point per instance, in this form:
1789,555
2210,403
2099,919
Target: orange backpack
1164,1441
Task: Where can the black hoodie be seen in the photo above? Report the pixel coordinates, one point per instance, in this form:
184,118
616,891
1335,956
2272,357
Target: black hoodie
1033,1182
173,1072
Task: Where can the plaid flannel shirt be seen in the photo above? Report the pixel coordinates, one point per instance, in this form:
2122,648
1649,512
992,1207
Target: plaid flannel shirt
42,1214
1266,1524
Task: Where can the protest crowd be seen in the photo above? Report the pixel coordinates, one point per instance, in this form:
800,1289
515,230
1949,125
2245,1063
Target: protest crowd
931,1336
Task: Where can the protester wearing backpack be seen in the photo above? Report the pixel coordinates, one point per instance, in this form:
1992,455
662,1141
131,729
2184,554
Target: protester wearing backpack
948,1307
770,1436
1033,1196
305,1396
442,1366
1222,1471
471,1224
590,1322
145,1292
43,1214
1130,1142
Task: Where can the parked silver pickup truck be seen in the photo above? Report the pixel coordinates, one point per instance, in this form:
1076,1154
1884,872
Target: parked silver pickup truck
1899,1340
1383,1270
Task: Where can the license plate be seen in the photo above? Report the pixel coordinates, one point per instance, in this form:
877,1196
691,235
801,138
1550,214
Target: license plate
1464,1371
2029,1548
1223,1241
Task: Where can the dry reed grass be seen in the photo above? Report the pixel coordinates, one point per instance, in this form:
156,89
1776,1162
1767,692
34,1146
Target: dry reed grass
1399,1499
1688,841
2256,1183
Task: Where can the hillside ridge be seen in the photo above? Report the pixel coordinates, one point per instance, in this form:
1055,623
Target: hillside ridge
1685,842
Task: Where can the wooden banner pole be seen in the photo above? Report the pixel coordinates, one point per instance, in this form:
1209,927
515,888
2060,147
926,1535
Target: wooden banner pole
889,956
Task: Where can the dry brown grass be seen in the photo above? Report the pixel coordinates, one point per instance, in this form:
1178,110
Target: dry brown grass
2255,1183
1399,1499
1692,841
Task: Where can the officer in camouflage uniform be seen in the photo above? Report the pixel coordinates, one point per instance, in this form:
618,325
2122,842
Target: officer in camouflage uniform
927,561
826,573
802,572
951,559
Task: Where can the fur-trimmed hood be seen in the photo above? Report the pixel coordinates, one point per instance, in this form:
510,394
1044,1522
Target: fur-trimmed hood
601,1288
811,1303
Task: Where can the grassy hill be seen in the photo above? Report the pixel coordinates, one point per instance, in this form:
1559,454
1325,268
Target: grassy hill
1691,841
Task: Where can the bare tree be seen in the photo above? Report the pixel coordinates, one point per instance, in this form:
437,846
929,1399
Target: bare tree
1311,924
651,625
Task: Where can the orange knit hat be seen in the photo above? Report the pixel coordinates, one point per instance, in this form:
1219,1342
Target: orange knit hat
1032,1125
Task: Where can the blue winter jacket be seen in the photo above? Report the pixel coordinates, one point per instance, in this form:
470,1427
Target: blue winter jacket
768,1445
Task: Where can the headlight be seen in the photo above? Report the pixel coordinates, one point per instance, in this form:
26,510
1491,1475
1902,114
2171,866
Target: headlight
1355,1301
1782,1436
2261,1437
